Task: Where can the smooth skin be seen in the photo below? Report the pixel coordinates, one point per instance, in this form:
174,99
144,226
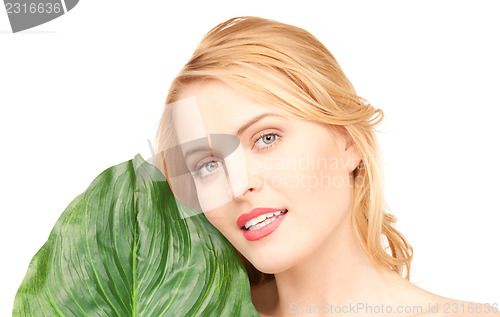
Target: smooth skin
313,253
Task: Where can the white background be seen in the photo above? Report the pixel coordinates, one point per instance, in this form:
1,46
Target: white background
85,92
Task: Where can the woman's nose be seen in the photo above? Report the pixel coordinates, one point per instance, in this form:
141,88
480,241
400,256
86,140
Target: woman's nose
255,175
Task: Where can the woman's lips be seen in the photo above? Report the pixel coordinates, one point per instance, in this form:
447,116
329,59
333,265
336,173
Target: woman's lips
260,224
254,213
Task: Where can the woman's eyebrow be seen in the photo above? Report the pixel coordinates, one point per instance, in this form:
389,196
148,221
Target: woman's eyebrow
202,144
255,120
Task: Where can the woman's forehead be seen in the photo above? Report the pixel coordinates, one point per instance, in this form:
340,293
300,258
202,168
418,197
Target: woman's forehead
218,108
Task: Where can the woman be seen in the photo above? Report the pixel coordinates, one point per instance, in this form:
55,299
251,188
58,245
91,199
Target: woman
289,172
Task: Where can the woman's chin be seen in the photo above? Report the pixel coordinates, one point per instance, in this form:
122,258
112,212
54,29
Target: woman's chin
271,265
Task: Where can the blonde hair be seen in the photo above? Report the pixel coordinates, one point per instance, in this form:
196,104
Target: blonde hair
285,65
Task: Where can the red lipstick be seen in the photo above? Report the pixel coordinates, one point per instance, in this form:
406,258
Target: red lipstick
256,234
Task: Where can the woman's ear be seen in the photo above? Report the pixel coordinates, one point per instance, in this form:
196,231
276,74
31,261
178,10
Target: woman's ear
352,153
354,156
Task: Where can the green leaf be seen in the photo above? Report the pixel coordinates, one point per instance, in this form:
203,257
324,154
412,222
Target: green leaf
121,248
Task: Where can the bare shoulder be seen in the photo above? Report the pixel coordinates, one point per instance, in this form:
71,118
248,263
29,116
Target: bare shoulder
434,305
444,306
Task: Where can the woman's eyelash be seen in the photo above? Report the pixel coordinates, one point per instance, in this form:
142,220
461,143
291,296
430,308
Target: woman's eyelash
262,135
197,170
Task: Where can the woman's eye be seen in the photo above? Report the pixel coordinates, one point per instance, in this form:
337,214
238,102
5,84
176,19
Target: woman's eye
266,140
207,169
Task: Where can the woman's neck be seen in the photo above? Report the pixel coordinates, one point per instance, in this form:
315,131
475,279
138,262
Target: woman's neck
337,273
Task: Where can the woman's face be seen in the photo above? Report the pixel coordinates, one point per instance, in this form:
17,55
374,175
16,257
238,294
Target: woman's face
291,164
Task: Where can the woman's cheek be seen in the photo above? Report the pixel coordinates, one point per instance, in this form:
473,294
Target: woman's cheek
219,218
